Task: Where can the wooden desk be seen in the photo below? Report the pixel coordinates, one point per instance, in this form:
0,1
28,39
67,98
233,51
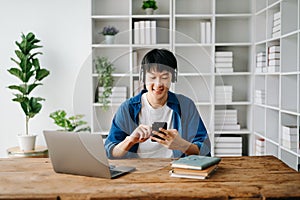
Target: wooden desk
236,178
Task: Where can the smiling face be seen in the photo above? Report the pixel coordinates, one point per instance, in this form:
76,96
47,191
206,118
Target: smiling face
158,84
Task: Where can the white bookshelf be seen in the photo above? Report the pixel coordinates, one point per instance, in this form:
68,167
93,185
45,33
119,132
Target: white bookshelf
241,26
282,88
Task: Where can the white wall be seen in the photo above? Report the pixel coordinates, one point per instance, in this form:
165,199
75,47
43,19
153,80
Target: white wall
63,26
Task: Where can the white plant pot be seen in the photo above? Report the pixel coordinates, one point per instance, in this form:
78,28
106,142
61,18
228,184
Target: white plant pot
109,39
27,142
149,11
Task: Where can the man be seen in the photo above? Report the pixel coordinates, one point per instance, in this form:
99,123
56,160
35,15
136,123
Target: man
131,134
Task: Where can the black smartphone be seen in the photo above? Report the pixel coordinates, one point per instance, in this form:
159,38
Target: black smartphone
156,126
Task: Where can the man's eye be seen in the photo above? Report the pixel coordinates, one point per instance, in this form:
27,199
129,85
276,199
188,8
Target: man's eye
165,77
153,77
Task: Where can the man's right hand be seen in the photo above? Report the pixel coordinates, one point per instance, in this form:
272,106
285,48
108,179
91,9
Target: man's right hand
141,133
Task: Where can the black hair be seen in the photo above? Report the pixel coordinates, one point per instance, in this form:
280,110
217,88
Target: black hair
160,60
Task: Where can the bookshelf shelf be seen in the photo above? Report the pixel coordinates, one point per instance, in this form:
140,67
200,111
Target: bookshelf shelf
282,87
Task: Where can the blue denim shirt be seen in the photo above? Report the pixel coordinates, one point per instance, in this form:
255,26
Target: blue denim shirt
186,120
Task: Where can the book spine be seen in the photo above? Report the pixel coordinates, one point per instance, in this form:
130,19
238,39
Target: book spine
153,32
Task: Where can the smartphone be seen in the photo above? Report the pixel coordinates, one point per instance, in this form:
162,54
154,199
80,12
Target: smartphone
156,126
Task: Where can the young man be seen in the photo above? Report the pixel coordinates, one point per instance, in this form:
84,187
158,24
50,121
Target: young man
131,134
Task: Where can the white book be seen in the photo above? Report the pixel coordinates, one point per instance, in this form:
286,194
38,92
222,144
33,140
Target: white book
228,139
276,16
274,55
261,53
289,129
273,69
228,151
264,69
260,92
276,34
228,145
259,100
276,28
274,62
202,33
273,49
260,142
260,58
277,22
224,53
258,69
227,88
136,32
224,70
147,32
228,127
288,137
208,32
223,64
227,155
142,32
176,175
227,111
260,64
224,59
135,67
153,32
289,145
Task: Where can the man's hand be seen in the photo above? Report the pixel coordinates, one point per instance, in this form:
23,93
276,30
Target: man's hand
140,134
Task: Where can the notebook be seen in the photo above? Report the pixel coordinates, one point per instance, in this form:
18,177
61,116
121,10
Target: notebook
81,154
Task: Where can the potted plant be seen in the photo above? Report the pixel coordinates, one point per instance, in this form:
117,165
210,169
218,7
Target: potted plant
104,68
149,6
70,124
30,74
109,33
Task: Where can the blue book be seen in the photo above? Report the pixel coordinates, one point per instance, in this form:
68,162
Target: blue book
195,162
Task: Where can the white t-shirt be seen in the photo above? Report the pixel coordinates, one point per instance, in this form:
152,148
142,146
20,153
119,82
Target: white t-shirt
147,116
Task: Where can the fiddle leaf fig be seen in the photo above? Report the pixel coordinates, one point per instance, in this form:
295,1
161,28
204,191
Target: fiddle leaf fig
30,73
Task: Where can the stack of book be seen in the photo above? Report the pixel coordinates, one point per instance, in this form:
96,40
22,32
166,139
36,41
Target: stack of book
194,166
260,96
228,146
226,120
276,29
274,58
205,32
260,62
223,61
119,94
144,32
289,137
260,146
223,93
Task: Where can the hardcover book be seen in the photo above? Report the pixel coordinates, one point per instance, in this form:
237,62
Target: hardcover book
195,162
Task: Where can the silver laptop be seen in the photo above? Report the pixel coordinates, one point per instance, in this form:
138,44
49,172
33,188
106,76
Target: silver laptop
81,154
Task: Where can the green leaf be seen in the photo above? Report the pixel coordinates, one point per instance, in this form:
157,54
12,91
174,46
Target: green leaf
41,74
20,88
30,87
16,72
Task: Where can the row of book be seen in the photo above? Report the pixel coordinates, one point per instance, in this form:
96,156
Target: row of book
228,146
260,146
224,61
271,64
260,96
276,28
144,32
226,120
223,93
194,166
205,32
119,94
289,137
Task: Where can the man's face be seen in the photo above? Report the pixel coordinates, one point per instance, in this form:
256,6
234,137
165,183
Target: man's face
158,83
